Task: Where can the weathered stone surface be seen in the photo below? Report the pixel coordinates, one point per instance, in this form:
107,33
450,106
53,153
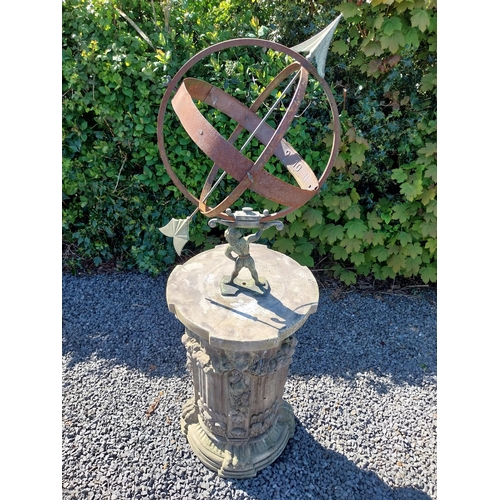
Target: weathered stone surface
242,322
239,349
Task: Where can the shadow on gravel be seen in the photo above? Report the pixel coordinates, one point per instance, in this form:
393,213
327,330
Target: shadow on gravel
124,318
388,335
326,475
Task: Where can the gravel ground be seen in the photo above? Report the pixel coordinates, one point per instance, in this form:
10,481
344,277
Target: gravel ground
362,385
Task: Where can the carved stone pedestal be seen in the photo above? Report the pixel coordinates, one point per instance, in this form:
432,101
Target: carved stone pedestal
239,348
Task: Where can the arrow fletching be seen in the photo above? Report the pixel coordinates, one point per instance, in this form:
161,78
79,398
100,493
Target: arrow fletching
179,231
317,46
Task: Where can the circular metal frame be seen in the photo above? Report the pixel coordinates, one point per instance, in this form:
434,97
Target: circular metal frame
253,169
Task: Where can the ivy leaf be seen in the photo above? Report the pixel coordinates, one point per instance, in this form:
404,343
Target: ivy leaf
340,47
270,205
361,140
428,82
432,207
387,272
284,245
378,238
432,40
339,162
351,134
412,265
393,42
353,211
392,249
400,212
420,19
410,191
379,252
313,216
386,217
383,272
316,231
293,216
429,149
426,257
348,277
339,253
331,200
305,248
391,25
404,5
368,237
377,24
399,175
357,153
296,229
365,269
348,10
397,262
357,258
405,238
328,142
428,195
271,232
351,244
424,160
303,259
345,202
431,245
335,214
372,68
431,171
412,38
428,273
355,228
429,228
332,233
373,220
372,48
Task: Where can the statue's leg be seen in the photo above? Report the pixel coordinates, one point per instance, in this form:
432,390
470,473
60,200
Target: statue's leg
238,265
251,266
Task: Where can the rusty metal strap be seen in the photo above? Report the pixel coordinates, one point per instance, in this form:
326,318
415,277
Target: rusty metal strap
295,196
226,156
246,118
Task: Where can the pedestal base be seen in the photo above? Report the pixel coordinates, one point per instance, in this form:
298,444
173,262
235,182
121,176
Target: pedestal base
239,347
237,458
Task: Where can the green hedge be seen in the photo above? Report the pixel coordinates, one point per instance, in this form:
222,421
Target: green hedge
377,213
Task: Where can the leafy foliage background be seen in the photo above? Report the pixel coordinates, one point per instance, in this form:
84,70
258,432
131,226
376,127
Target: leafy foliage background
377,213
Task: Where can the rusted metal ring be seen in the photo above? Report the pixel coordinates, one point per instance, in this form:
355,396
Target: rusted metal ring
269,150
232,161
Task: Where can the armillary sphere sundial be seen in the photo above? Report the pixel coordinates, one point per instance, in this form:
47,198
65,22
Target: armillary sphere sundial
248,174
240,321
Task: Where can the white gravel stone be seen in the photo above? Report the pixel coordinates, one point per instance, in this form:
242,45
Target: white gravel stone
362,385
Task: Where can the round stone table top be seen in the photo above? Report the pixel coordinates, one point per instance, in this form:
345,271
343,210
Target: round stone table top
242,320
